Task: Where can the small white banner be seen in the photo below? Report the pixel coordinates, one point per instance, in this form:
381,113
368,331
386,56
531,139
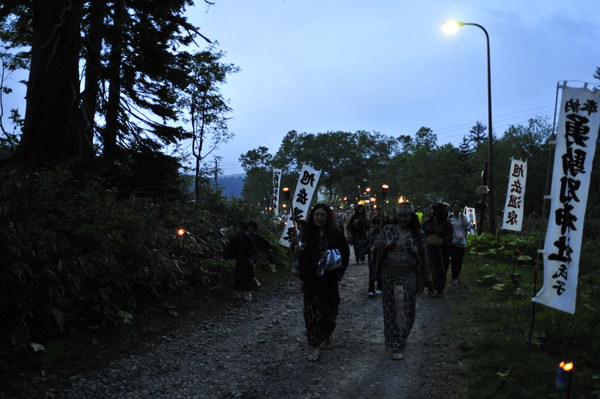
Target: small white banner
469,212
305,188
576,141
515,196
276,184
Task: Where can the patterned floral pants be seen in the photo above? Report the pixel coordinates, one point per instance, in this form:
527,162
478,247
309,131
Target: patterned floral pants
321,301
399,304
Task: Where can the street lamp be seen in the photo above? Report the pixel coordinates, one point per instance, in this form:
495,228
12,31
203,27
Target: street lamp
452,27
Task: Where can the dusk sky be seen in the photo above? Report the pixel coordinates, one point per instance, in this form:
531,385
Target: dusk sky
345,65
326,65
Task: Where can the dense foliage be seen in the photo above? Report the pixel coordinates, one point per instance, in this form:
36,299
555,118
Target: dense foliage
80,252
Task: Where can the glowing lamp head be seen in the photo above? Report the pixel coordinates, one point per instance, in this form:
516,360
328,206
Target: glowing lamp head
180,232
566,366
451,27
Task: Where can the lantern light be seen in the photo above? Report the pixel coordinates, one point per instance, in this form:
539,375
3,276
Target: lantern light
564,375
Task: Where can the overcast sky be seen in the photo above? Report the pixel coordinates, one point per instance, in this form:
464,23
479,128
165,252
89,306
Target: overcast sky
326,65
384,65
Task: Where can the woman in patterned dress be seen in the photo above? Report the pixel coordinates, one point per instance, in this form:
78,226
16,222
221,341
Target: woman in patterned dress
321,295
404,273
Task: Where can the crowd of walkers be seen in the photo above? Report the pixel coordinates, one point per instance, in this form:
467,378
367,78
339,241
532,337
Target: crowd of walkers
408,253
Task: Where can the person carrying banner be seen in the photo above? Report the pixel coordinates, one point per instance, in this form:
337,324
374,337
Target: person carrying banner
321,294
404,274
460,224
438,232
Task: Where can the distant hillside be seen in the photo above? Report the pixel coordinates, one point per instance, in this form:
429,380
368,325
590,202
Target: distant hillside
232,184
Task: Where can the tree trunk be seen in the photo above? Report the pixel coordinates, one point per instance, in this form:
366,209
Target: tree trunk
49,133
93,67
114,91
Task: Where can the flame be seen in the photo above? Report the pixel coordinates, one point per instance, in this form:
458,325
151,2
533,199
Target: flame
180,232
401,199
566,366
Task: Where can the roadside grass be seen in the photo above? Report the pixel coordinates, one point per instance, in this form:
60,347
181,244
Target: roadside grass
490,325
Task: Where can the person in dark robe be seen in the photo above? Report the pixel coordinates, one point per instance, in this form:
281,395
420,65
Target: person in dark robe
263,246
404,274
439,232
359,227
242,248
321,294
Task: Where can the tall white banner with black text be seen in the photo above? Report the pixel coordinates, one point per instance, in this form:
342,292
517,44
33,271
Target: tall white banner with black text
515,196
276,183
305,188
576,138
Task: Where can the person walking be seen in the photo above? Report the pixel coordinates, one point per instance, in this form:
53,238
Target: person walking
263,246
460,224
321,293
359,227
242,248
405,272
438,232
374,285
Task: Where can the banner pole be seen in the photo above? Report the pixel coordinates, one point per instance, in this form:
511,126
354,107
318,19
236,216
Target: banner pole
540,252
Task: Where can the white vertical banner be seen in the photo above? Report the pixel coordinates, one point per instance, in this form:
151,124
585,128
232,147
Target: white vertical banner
576,138
515,196
469,212
276,184
305,188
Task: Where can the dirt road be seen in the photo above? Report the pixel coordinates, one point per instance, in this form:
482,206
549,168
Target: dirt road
258,350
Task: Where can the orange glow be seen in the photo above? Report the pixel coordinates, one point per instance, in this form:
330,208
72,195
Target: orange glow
401,199
566,366
372,199
284,205
286,189
368,189
385,186
180,232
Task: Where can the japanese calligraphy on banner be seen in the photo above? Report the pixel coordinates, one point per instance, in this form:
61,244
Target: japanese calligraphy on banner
305,188
576,137
276,183
515,196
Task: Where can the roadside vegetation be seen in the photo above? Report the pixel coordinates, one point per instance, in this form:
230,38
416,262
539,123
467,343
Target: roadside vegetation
491,324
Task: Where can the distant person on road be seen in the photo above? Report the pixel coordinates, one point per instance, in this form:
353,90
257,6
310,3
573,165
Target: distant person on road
321,294
404,273
243,250
438,231
359,228
347,216
460,224
339,219
374,287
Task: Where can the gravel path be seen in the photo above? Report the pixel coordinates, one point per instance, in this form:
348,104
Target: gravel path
258,350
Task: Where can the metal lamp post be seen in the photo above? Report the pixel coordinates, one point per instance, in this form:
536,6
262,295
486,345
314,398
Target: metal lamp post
452,27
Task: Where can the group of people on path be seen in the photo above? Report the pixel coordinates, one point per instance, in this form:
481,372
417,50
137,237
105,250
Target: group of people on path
404,257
